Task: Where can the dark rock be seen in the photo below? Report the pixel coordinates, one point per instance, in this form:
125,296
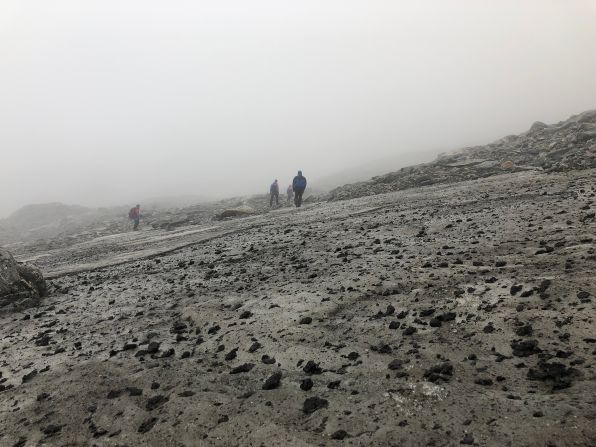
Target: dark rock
525,348
488,329
231,355
155,402
267,360
339,435
245,315
468,439
178,327
353,356
382,348
447,316
409,330
152,348
313,404
169,353
273,381
435,322
556,373
213,330
397,364
306,384
51,430
524,331
427,312
441,372
583,295
334,384
30,375
147,425
245,367
254,347
113,394
132,391
312,368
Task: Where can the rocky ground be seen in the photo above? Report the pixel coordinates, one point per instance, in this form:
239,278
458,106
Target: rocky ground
565,146
441,315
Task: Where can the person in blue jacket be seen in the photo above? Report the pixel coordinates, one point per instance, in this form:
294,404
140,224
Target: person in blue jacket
299,185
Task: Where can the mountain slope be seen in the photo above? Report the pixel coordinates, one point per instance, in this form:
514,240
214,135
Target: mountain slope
567,145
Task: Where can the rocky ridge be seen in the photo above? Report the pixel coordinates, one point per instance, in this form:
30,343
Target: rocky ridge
565,146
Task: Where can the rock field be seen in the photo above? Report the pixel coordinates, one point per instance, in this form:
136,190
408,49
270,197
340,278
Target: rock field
459,314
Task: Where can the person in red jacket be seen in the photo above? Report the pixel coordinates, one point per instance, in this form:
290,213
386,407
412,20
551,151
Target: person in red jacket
135,215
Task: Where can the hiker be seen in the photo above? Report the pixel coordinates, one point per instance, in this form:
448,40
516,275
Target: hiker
298,185
290,192
135,215
274,191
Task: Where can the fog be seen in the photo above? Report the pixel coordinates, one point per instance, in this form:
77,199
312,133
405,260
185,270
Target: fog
109,102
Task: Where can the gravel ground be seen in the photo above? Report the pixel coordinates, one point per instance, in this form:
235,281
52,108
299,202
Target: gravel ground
444,315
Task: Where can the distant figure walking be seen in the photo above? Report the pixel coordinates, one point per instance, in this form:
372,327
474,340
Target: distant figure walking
135,215
290,192
298,185
274,191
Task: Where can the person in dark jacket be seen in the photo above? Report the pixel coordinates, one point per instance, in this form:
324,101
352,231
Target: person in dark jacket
299,185
274,192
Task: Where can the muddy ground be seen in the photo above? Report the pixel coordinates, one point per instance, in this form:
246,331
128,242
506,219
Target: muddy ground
444,315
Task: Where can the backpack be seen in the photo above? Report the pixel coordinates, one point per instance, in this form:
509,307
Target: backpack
131,213
299,183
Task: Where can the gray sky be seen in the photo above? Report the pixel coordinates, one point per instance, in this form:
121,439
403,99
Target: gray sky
106,102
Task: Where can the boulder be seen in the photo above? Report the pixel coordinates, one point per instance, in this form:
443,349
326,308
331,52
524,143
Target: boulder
241,211
21,285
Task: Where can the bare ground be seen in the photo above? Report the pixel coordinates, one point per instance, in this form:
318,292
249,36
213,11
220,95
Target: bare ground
434,316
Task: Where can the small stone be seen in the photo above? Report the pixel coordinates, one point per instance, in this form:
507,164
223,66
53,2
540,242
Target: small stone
306,384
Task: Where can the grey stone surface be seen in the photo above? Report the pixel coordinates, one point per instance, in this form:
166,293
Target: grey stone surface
21,285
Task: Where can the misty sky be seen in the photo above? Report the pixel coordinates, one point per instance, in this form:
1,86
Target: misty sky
111,101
